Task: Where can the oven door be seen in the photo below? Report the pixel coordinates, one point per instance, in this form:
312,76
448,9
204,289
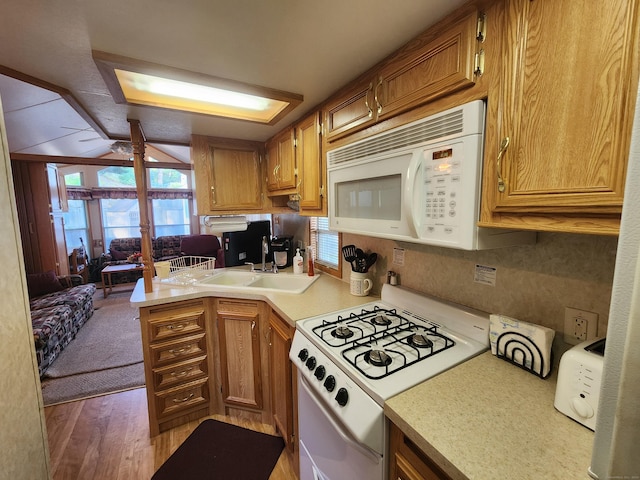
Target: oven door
327,450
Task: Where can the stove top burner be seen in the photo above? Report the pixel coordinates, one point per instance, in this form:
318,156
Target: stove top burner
342,332
419,340
379,358
381,319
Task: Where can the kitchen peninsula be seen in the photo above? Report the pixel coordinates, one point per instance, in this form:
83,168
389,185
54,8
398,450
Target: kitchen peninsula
482,419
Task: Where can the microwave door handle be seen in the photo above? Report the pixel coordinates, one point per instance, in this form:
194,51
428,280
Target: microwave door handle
410,209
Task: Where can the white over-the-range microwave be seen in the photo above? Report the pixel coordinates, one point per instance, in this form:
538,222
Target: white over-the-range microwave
419,182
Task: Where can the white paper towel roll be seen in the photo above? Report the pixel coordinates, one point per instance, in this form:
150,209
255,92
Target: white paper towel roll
517,340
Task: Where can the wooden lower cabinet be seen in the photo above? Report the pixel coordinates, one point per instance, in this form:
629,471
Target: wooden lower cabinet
177,362
238,324
408,462
283,405
219,356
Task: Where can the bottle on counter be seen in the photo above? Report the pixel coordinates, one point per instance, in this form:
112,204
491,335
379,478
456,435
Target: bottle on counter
310,271
298,262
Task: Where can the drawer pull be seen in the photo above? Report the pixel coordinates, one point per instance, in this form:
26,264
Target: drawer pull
180,351
182,400
177,326
182,373
503,147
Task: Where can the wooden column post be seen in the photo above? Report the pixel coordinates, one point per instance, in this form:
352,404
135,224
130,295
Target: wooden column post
137,141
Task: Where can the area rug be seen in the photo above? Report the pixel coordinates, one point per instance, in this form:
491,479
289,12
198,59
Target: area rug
218,450
105,356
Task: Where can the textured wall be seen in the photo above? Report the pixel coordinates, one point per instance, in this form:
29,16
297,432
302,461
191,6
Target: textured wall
23,440
533,282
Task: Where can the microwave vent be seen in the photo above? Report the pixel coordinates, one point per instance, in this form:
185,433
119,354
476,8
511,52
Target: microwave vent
425,130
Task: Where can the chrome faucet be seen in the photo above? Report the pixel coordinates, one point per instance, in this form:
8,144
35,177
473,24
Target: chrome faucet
265,250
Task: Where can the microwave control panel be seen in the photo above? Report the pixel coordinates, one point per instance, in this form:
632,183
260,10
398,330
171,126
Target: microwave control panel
443,195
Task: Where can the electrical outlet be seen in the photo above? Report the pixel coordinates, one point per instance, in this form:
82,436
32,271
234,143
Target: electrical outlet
579,325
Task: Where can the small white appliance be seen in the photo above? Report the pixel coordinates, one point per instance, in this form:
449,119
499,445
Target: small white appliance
579,379
419,182
349,362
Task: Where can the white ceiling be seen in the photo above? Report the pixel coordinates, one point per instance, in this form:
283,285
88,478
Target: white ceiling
306,47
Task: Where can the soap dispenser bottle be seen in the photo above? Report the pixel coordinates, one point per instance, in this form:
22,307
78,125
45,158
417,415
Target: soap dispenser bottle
298,262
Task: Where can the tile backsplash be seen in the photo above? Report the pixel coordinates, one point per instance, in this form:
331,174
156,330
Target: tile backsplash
532,282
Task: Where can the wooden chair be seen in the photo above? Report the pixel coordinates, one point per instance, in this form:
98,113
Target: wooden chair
79,264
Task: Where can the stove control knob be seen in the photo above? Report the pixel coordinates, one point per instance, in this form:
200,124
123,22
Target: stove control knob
303,354
342,397
320,372
311,363
330,383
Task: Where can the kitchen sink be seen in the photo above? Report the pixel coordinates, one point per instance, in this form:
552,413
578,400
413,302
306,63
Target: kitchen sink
243,280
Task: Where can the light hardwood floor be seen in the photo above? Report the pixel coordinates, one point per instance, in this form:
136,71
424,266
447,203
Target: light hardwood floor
107,438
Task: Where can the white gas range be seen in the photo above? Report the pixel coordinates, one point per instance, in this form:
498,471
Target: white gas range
349,362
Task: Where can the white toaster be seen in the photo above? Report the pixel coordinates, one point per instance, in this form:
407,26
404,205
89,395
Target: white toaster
579,378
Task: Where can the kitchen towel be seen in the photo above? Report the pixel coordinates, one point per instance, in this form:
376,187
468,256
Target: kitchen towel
523,343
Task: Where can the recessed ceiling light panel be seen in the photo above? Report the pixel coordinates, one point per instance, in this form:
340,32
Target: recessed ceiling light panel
142,83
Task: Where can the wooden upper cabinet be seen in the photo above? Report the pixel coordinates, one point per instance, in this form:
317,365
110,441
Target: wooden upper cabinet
228,175
429,67
311,167
281,163
569,77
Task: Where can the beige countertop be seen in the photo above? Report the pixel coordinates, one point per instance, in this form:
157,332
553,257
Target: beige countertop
326,294
487,419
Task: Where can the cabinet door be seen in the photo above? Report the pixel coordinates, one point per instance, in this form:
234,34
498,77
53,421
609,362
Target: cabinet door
281,378
310,165
408,462
228,175
57,190
567,102
350,111
427,69
240,364
281,162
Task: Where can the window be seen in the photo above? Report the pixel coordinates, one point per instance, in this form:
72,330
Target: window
167,178
171,217
116,177
76,221
76,226
120,218
326,245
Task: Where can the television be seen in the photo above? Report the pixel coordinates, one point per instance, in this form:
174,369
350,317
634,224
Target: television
246,246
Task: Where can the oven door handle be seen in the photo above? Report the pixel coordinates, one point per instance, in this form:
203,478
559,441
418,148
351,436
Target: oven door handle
338,428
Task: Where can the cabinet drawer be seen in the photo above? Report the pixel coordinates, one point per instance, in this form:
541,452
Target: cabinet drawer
181,372
184,397
173,323
178,349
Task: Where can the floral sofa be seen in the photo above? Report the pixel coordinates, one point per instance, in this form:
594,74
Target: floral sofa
164,248
59,306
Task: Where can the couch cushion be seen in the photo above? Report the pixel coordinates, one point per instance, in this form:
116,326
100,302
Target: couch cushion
40,284
53,329
75,297
117,254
